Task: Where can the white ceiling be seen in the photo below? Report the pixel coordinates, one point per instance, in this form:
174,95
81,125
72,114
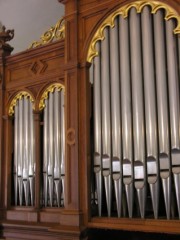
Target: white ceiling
29,18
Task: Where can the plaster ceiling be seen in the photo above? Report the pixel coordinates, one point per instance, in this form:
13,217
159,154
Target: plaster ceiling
29,19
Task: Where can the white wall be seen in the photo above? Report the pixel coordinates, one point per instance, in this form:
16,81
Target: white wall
29,18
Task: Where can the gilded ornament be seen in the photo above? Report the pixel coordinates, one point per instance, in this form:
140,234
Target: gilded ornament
19,96
56,32
109,21
51,89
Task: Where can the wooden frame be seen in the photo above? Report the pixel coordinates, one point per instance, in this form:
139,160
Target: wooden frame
64,61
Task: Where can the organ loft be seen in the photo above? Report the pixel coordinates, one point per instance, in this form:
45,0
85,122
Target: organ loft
90,125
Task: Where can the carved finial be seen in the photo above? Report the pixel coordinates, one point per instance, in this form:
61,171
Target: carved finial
6,36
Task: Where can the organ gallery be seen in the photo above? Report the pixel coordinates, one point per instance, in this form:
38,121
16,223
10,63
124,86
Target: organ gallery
90,125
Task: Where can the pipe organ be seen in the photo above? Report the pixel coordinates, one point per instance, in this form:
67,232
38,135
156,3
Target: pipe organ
53,147
135,80
24,144
90,125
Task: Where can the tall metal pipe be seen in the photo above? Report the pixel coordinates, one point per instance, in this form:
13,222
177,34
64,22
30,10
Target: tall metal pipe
16,151
126,111
106,124
51,149
138,110
45,151
150,108
21,152
162,107
97,128
173,87
115,116
31,153
57,144
62,161
26,149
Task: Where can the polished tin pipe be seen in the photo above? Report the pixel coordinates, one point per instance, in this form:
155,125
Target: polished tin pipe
97,128
126,111
45,151
62,160
21,151
173,87
16,151
162,108
51,149
115,116
57,144
138,110
150,108
106,124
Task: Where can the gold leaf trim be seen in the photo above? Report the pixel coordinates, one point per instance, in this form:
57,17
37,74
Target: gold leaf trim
54,33
19,96
109,21
51,89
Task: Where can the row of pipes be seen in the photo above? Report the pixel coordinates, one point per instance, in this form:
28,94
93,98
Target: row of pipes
53,164
135,80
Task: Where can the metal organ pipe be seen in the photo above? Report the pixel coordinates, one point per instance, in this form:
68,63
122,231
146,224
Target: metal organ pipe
136,106
162,107
26,149
24,152
62,138
21,152
173,87
115,116
97,128
150,108
16,151
45,152
106,124
54,149
126,112
138,110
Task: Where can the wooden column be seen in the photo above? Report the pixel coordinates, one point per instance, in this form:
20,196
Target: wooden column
5,50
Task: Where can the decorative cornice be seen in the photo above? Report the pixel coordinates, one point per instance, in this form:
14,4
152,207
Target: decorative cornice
109,21
51,89
19,96
54,33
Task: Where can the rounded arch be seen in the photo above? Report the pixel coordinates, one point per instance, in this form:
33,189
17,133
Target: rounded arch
17,97
124,10
46,90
